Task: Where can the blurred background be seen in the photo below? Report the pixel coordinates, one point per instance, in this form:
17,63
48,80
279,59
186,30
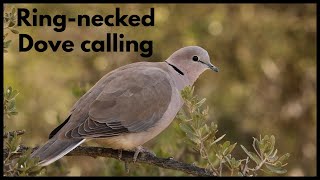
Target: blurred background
266,85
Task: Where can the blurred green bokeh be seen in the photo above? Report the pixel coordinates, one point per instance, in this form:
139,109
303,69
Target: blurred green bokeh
266,85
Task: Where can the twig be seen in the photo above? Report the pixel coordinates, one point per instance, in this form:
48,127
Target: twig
220,168
144,157
260,165
9,134
216,172
245,167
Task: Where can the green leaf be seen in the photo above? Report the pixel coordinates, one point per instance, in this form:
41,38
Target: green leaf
207,136
8,92
13,113
230,148
251,155
186,128
284,157
272,140
190,133
199,104
272,156
24,157
11,105
269,148
194,138
265,138
275,169
264,144
182,115
14,93
217,140
226,144
234,163
240,174
6,44
11,24
214,127
14,31
13,142
254,157
272,159
28,166
13,10
206,128
205,112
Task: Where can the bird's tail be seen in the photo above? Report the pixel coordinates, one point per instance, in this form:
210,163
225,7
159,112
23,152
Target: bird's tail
54,149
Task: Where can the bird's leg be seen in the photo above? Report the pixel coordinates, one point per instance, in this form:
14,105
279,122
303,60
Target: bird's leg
119,154
136,153
140,149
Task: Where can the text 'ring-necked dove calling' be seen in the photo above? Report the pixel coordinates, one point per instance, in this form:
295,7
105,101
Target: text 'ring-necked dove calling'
128,106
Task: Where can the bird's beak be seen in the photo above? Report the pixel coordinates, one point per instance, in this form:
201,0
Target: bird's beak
212,67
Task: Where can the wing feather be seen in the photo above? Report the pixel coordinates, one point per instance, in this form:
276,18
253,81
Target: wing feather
132,102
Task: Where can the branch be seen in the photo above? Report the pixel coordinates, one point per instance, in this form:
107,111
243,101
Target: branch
127,156
18,132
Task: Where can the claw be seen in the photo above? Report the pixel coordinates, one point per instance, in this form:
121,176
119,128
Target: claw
140,149
136,153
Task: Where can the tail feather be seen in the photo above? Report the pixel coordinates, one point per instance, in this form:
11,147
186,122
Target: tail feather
54,149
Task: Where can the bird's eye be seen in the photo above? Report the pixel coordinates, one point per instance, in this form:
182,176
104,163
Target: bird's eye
195,58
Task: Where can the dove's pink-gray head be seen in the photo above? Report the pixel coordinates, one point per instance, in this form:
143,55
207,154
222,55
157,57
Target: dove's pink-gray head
192,61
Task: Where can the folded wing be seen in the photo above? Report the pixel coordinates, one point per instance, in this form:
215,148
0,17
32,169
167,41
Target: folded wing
131,102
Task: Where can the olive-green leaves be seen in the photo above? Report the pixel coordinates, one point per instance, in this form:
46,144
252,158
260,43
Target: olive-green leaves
9,101
216,153
9,23
15,163
202,136
265,155
13,142
21,165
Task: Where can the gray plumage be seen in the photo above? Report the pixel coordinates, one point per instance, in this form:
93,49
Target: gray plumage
128,106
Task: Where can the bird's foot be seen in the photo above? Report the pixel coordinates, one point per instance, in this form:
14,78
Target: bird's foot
140,149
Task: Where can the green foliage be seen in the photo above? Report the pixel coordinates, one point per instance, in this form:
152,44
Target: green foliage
217,153
12,143
265,155
16,164
9,102
22,165
9,23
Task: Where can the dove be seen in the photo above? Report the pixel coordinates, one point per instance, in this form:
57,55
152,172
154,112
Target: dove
128,106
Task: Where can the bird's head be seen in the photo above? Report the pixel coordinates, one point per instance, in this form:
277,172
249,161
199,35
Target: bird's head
192,61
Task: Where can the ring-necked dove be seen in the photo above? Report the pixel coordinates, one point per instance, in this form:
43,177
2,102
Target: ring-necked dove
128,106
